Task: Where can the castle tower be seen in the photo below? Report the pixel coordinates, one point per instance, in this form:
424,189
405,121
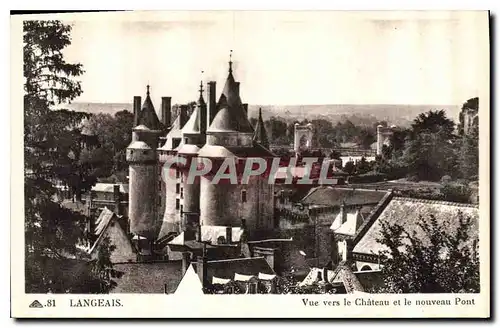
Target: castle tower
303,137
194,137
171,179
383,137
143,175
230,136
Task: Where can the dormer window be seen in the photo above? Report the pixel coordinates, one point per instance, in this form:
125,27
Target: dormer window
244,196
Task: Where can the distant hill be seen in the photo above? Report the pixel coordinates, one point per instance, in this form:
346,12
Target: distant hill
401,115
94,108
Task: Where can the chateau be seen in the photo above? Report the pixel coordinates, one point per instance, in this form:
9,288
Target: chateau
163,204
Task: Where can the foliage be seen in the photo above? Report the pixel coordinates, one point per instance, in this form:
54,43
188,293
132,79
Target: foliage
468,157
456,193
349,167
368,177
114,136
52,149
440,260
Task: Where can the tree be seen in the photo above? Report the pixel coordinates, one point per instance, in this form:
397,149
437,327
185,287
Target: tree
114,137
444,258
433,122
51,149
468,157
349,167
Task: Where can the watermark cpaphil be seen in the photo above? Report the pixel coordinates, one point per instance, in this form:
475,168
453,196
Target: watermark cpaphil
232,170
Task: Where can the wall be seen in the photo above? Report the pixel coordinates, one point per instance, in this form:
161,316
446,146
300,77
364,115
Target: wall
221,204
142,199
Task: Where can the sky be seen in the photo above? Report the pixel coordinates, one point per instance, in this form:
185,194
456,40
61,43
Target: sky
281,58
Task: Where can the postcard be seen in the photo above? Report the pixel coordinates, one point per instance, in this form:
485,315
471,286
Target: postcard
250,164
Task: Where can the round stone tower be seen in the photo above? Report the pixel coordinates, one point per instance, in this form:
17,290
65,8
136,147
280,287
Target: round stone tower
231,139
143,174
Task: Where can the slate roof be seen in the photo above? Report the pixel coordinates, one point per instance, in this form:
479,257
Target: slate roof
332,196
147,116
226,269
175,132
192,126
148,277
260,134
408,212
230,120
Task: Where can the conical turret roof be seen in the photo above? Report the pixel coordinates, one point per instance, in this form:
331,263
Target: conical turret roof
148,116
230,115
260,135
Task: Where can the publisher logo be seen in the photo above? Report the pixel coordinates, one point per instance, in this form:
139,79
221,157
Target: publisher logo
36,304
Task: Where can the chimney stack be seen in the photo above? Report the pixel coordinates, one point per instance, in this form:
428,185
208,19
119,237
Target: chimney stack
343,213
183,115
198,233
116,198
137,110
166,114
211,102
229,235
201,266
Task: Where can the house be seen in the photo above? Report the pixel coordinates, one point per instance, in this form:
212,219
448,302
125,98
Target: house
109,226
364,249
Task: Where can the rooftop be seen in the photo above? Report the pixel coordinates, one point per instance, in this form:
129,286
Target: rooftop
332,196
408,212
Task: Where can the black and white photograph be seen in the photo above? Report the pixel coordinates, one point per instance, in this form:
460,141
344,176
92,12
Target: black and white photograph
336,157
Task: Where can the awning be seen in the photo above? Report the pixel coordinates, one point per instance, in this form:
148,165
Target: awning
242,277
220,281
265,276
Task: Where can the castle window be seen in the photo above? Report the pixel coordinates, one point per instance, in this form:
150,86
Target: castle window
177,188
159,199
182,192
177,174
159,185
243,196
177,203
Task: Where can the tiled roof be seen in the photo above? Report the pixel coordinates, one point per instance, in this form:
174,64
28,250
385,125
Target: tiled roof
408,212
148,277
226,269
332,196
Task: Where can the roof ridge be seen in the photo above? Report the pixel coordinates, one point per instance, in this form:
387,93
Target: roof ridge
237,259
435,201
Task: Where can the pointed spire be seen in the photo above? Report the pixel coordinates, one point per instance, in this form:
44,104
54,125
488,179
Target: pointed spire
260,135
147,116
201,101
231,61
